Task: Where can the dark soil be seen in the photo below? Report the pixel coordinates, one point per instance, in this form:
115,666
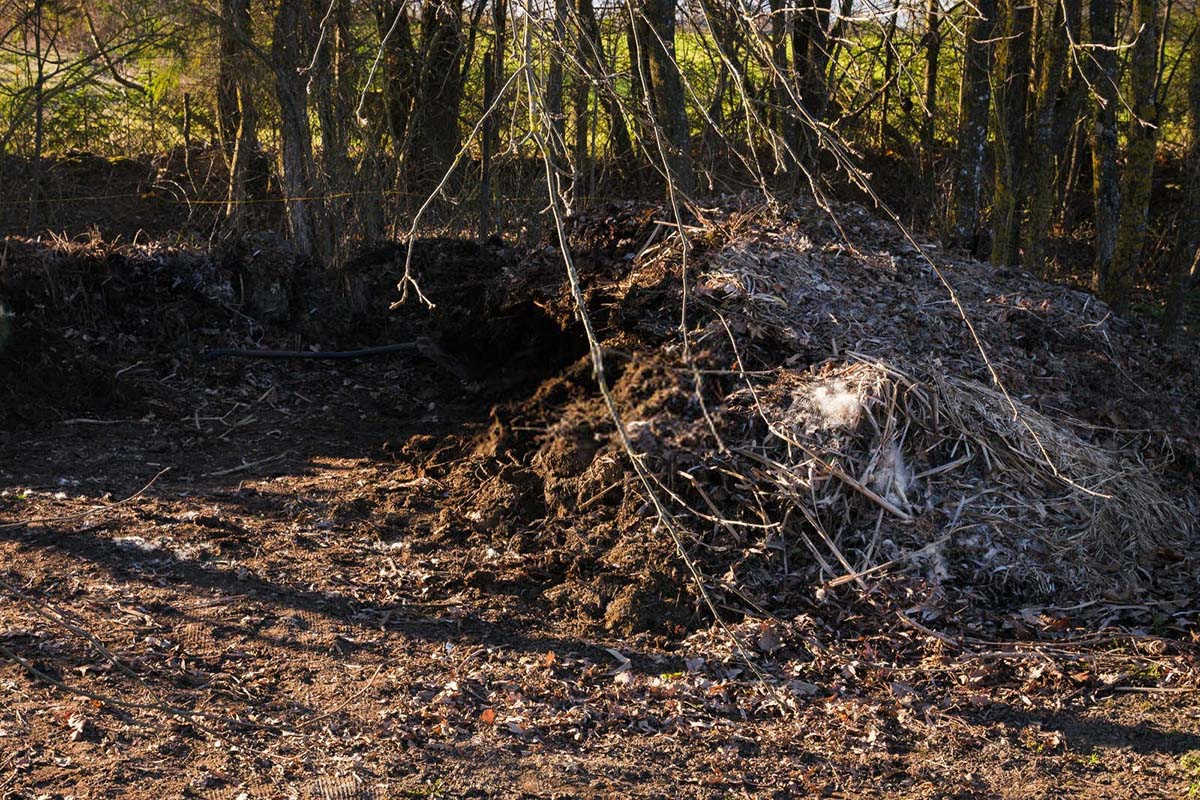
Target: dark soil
429,574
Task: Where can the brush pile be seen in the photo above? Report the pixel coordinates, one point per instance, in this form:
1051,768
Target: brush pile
829,418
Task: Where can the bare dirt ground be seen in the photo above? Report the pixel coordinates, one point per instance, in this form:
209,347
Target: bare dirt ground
348,583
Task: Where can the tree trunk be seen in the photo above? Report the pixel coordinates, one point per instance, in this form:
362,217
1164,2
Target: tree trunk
581,96
596,62
781,114
485,149
655,39
330,88
810,52
39,116
557,53
933,47
974,102
1053,116
1012,97
1185,262
493,78
723,24
1106,190
1142,138
889,64
237,120
235,189
434,138
394,26
233,77
289,43
580,103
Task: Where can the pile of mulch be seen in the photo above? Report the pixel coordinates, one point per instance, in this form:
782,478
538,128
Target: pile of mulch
828,420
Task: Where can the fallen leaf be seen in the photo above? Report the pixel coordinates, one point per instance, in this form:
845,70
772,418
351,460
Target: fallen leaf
768,639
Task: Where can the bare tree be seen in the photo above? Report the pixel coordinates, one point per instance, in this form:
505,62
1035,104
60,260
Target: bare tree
291,39
1141,139
1012,93
974,103
1106,189
654,38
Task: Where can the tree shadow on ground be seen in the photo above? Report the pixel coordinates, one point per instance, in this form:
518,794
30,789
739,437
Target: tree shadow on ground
1084,732
409,619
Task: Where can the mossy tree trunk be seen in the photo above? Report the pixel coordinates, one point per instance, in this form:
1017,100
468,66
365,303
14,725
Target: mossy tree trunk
655,39
1053,113
1185,260
1012,97
974,104
1106,189
1141,141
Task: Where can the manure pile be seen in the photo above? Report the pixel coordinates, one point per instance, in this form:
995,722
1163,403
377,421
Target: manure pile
827,420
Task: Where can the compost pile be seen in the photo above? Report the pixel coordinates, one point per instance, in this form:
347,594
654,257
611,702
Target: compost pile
827,420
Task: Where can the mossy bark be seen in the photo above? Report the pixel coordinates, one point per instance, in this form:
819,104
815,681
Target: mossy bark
1012,97
1106,189
1185,260
1054,112
974,104
1142,139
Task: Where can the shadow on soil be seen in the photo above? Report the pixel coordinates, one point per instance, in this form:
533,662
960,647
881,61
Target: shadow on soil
124,563
1085,732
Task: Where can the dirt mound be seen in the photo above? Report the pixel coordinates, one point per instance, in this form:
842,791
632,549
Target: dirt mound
89,320
90,326
828,418
835,420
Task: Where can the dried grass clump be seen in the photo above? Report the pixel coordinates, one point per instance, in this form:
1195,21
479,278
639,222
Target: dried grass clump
886,464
